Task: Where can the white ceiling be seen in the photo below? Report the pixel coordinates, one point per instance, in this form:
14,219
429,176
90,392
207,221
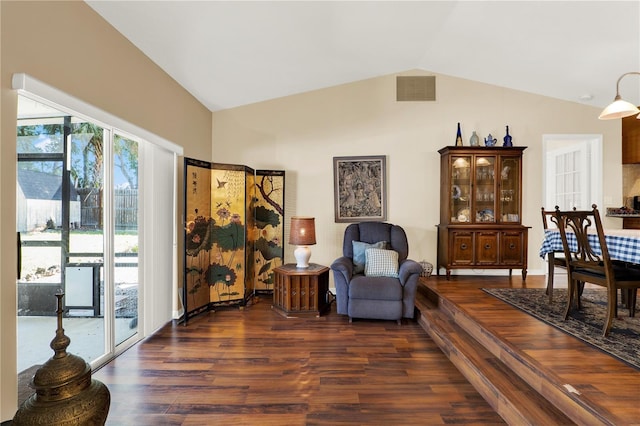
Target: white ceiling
229,54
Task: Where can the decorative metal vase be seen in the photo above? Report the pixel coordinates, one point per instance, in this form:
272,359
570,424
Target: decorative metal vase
65,394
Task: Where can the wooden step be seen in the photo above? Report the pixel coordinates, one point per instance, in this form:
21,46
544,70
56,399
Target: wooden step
510,396
517,388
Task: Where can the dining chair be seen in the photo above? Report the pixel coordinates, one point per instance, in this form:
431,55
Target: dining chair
555,259
587,263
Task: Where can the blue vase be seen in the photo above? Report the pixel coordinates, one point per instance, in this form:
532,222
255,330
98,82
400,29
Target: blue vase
507,139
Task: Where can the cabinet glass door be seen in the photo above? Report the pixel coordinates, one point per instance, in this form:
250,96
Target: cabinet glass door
460,202
509,189
485,189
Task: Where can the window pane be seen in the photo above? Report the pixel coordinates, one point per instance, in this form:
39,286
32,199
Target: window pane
125,181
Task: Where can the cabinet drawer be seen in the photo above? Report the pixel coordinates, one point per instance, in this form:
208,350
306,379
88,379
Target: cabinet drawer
511,248
461,248
486,248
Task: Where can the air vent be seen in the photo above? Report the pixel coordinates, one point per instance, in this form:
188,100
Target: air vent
416,88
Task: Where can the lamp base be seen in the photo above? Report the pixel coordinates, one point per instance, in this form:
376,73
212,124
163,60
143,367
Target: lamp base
302,255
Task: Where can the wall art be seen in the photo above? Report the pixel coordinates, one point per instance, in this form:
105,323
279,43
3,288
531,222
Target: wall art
360,188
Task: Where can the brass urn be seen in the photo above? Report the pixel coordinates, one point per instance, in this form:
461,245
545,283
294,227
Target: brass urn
64,394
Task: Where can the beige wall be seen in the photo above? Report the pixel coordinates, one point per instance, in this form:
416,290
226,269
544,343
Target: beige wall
68,46
301,134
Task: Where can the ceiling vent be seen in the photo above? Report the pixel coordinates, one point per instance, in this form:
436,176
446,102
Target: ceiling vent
416,88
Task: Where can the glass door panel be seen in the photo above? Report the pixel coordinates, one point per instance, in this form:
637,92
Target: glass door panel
59,156
126,243
509,190
460,207
485,189
84,279
40,273
40,212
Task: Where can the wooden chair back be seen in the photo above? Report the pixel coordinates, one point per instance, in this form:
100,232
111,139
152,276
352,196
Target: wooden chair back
581,254
588,263
548,216
554,258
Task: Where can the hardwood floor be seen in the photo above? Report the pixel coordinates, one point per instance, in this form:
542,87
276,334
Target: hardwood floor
254,366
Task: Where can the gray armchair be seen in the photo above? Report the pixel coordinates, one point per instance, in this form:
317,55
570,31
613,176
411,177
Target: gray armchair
377,297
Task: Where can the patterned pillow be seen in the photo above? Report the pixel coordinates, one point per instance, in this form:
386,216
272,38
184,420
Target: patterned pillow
381,263
359,258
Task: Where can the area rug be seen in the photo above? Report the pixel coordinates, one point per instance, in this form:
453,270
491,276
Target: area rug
623,341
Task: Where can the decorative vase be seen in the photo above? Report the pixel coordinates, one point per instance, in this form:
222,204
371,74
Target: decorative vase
459,137
65,394
507,139
474,140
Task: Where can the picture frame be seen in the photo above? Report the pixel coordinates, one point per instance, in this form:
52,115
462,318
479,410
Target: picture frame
360,188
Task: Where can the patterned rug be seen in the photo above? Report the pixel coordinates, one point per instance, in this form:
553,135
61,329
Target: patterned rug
623,341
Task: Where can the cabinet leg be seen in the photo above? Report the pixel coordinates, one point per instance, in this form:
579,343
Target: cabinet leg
524,276
448,274
510,272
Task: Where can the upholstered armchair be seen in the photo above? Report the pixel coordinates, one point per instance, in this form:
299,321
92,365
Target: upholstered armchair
374,279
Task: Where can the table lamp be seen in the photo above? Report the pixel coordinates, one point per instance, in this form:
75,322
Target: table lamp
302,234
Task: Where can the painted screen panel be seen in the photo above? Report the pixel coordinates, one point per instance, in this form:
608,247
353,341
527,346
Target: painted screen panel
269,221
198,223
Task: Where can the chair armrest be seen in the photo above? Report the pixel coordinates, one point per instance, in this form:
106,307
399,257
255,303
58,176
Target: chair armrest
408,268
342,269
344,265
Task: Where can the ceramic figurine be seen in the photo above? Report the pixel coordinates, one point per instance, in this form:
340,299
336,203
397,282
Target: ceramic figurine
507,139
490,140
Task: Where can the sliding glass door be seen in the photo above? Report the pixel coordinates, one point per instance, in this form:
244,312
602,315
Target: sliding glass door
78,232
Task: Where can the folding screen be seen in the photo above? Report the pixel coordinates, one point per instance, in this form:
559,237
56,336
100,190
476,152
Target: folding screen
233,234
269,220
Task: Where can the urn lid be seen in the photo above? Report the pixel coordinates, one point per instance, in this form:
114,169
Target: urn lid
64,374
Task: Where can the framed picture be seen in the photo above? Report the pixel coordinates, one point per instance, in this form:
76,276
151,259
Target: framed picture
360,188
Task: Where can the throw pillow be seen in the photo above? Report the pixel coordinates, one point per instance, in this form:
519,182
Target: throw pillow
359,258
381,263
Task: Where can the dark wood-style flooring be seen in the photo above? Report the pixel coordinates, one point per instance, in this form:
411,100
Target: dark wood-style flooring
252,366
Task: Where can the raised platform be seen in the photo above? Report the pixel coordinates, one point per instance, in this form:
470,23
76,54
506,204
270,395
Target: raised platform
529,372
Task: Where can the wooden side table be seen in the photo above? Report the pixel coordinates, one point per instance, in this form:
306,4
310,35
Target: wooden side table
301,290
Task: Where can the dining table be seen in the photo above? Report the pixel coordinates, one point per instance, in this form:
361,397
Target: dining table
623,244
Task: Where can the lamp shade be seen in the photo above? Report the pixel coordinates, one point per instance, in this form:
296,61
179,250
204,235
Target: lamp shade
619,109
303,231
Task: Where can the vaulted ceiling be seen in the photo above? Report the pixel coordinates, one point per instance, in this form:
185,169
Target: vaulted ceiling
228,54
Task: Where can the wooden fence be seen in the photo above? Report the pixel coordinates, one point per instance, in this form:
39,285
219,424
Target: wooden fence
125,205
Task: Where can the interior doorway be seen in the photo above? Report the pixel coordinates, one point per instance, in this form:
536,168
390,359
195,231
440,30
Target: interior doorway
572,171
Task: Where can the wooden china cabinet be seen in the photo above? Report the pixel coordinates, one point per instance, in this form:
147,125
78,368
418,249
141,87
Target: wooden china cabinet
481,209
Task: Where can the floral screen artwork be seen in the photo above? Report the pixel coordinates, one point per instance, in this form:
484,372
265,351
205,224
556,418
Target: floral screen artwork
269,223
359,188
227,274
231,233
197,235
